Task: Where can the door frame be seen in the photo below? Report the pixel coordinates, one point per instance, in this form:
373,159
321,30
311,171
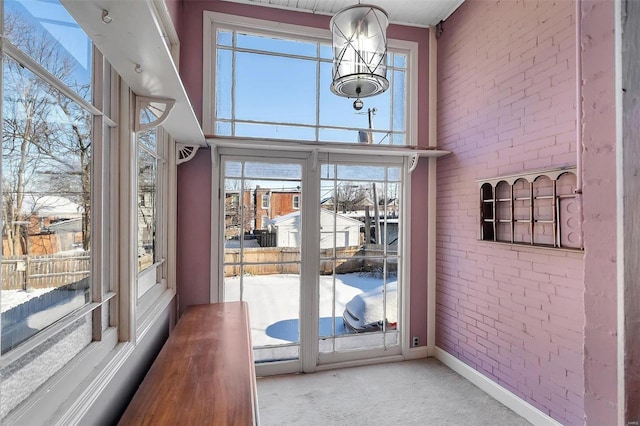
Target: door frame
310,359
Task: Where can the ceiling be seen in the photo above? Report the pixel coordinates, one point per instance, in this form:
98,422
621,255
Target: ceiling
419,13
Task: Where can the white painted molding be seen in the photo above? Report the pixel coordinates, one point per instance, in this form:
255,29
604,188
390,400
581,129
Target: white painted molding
88,397
413,162
513,402
360,362
417,353
185,152
156,109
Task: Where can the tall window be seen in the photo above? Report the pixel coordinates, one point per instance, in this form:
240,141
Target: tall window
273,87
151,185
57,116
47,175
147,194
273,82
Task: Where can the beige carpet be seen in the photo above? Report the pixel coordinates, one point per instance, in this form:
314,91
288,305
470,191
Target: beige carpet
421,392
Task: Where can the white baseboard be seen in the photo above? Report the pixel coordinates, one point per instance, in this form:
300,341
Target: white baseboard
518,405
417,353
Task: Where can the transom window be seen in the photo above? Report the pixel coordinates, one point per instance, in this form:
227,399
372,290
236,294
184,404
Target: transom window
273,87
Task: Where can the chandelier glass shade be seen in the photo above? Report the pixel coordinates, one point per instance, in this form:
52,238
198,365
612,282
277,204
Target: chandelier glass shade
359,51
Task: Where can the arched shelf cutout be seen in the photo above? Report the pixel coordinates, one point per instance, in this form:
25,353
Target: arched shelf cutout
151,112
185,153
538,208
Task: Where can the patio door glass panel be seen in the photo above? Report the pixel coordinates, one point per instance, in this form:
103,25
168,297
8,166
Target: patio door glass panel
262,246
359,259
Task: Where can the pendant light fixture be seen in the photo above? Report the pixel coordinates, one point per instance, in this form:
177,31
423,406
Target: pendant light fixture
359,52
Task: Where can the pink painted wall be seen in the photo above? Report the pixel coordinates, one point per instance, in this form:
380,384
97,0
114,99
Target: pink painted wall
194,230
599,212
506,99
191,72
175,11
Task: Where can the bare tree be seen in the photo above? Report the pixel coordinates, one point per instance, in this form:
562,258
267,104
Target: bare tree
239,206
46,136
350,197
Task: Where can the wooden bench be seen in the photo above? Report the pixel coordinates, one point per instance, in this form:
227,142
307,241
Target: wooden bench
204,373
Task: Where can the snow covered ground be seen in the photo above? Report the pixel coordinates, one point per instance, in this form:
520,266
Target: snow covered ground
12,298
274,304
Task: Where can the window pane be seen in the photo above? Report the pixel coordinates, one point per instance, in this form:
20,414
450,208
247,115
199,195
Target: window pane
46,189
275,89
233,169
338,111
275,131
275,171
398,100
223,84
223,128
326,51
338,135
398,139
399,60
47,33
272,44
351,172
147,186
225,38
148,139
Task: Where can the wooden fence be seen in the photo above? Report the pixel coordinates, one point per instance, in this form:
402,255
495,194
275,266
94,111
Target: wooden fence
286,260
44,271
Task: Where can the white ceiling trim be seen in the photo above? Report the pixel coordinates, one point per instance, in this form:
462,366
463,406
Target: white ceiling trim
415,13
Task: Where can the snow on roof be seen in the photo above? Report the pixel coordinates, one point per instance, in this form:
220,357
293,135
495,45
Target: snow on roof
50,205
293,215
68,225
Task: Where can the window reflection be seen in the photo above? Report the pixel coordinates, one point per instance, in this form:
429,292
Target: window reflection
61,46
147,200
46,195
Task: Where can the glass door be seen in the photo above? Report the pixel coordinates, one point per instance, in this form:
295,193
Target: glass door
262,247
359,261
322,278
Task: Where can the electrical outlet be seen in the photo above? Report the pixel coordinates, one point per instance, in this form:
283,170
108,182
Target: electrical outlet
416,341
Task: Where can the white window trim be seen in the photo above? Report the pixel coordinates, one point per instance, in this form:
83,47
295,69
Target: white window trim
295,202
99,297
152,282
212,19
42,403
308,150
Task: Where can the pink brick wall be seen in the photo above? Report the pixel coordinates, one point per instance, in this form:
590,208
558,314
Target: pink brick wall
506,104
600,213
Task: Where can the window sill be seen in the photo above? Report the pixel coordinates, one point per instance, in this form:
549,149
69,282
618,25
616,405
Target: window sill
324,147
534,246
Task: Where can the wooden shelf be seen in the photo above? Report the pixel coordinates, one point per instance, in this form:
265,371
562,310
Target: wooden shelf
204,374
